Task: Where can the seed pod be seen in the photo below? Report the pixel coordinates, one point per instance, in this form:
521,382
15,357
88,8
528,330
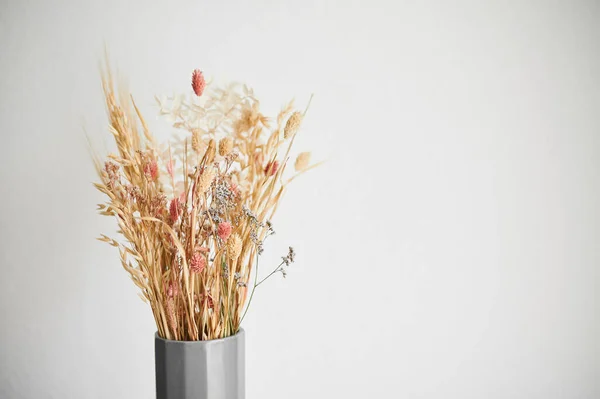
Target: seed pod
234,247
225,146
171,317
196,140
198,82
302,161
292,125
205,180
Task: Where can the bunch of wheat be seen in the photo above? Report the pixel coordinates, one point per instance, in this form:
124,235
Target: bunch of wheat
194,213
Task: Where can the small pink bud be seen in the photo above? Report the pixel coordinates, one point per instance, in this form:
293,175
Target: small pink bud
198,82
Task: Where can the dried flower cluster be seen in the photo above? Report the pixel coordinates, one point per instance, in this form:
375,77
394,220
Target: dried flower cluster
195,212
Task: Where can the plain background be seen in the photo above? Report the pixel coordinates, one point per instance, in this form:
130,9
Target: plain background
447,249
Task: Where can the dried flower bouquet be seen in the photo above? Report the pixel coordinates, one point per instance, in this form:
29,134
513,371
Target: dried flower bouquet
194,213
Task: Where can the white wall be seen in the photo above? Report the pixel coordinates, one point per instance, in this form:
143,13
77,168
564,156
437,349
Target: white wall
448,249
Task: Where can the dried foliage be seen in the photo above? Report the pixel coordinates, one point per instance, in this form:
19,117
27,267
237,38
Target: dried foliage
195,212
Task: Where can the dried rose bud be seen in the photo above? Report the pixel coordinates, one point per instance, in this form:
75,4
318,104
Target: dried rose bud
225,146
292,125
271,168
197,263
302,161
224,230
198,82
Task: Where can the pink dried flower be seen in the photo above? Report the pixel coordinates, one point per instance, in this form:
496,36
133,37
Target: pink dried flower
197,263
171,318
224,230
151,170
198,82
271,168
175,210
112,171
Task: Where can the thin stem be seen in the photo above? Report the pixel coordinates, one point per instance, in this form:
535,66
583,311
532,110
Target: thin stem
308,105
253,289
270,274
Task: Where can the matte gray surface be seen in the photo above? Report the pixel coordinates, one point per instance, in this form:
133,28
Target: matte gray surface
200,369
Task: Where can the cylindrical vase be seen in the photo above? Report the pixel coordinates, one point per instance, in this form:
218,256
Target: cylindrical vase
212,369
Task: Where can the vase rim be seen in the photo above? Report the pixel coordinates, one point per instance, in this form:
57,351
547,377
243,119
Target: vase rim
240,333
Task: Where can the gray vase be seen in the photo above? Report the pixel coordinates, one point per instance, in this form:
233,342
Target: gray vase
212,369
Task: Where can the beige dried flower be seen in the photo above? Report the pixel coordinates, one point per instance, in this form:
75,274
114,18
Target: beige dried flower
302,161
225,146
196,140
250,118
234,247
205,180
292,125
